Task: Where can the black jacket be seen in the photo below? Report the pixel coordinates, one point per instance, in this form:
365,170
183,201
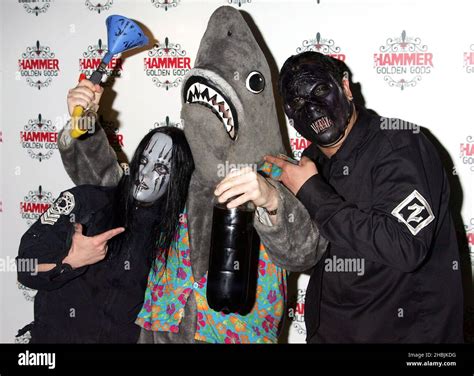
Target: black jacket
92,304
382,201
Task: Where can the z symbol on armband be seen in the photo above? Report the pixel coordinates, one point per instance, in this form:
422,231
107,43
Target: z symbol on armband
63,206
414,212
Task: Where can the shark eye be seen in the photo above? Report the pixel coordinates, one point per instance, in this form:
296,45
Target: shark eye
255,82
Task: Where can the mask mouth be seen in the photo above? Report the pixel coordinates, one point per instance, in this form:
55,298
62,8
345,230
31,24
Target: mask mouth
141,186
201,91
321,124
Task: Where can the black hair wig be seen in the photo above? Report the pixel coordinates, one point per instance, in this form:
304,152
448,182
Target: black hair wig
171,204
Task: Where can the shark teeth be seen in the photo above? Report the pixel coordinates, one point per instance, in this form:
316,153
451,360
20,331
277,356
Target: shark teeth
201,93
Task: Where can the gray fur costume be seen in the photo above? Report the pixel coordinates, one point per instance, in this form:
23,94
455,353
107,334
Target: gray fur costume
227,54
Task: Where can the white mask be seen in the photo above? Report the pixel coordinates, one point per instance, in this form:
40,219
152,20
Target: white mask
154,171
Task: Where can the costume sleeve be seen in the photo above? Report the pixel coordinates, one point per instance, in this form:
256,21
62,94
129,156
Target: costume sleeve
397,226
294,242
91,160
48,241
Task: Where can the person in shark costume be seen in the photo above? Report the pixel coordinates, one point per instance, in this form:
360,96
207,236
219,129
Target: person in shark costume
230,118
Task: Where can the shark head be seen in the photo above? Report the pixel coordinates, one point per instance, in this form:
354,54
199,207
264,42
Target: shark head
229,109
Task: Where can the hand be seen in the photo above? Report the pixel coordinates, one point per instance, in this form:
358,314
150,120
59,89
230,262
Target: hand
294,176
87,250
85,94
250,185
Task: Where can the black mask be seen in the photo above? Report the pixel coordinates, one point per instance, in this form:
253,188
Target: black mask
315,101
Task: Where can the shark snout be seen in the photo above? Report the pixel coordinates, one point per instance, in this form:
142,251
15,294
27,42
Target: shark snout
207,89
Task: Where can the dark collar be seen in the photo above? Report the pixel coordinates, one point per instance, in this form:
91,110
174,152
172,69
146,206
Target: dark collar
149,214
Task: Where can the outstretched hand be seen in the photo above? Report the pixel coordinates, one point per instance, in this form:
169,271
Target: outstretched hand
294,176
88,250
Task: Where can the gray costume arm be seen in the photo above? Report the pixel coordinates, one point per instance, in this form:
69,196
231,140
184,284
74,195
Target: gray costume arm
294,242
89,161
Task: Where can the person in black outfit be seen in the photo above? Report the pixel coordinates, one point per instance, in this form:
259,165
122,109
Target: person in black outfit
94,246
381,197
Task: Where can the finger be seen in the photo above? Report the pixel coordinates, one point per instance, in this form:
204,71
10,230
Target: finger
239,171
78,228
232,174
237,190
277,161
79,97
239,200
107,235
79,102
86,83
304,160
96,100
98,89
232,181
84,91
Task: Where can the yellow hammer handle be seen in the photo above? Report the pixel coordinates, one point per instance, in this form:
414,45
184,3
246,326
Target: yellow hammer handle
76,131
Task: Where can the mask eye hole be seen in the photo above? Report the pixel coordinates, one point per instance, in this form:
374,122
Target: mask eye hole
255,82
321,90
297,103
161,169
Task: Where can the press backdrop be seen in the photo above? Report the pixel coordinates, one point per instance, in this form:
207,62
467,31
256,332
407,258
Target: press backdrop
46,44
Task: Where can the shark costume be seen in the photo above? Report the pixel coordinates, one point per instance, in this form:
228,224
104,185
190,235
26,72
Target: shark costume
230,118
